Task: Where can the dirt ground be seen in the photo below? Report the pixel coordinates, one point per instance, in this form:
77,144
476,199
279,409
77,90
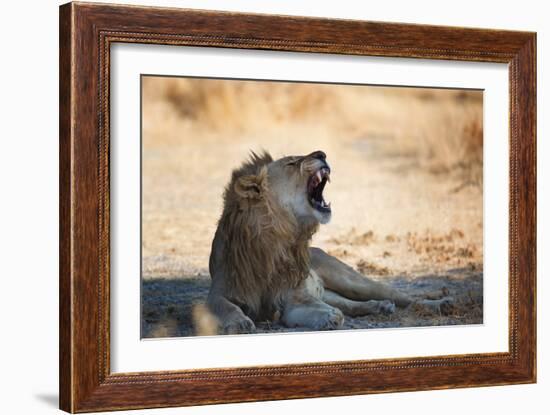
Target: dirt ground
406,187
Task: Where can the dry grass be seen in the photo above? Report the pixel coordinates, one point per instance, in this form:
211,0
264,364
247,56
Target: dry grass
405,160
406,185
442,129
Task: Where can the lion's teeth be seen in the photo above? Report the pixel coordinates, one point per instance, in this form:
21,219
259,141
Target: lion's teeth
319,175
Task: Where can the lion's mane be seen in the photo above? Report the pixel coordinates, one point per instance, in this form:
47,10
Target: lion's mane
261,249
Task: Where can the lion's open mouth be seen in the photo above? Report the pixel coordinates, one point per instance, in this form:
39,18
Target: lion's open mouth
315,186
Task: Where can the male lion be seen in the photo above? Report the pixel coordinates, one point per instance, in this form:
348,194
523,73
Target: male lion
261,264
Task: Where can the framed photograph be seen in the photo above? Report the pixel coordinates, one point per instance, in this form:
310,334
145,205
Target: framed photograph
259,207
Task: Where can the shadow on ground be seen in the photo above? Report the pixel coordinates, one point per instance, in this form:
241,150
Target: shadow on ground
167,304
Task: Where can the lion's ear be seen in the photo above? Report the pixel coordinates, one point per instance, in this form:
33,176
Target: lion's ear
251,186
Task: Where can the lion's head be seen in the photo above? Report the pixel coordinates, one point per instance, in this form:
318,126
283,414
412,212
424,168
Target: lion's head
294,183
271,210
297,184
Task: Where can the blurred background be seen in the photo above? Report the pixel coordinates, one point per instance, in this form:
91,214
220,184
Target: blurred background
406,187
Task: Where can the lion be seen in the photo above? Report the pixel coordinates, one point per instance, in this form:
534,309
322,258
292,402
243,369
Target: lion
261,263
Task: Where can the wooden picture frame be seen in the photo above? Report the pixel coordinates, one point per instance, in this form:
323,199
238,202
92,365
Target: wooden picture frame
86,33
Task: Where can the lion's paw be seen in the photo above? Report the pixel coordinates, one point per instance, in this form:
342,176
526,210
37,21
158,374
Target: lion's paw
239,325
331,320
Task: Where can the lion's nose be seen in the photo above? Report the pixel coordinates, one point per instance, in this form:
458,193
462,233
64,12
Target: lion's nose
318,155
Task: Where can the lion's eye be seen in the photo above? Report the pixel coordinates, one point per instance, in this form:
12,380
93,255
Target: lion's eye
295,161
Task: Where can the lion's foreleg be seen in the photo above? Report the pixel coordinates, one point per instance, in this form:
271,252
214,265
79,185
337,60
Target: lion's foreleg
358,308
347,282
231,319
309,312
303,307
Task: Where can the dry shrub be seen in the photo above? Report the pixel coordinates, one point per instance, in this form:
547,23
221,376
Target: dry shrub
166,328
215,104
205,323
449,247
340,253
442,129
353,237
370,268
446,132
